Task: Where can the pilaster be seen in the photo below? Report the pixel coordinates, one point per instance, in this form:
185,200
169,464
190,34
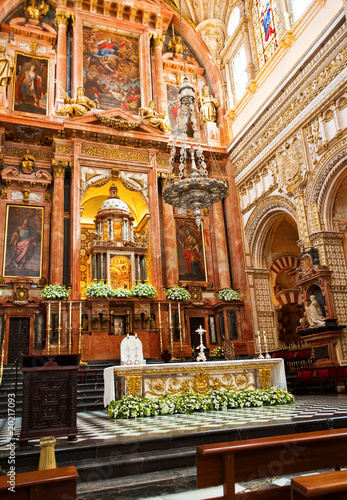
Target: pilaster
158,41
57,223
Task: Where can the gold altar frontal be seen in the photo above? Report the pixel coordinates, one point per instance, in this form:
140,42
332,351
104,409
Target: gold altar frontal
175,378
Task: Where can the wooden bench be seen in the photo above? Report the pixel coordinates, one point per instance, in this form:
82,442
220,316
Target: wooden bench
83,374
328,485
52,484
252,459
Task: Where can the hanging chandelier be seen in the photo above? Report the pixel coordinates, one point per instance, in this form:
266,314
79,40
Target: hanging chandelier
194,190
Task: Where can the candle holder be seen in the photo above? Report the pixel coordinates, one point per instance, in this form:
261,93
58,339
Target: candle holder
260,353
267,355
136,361
128,356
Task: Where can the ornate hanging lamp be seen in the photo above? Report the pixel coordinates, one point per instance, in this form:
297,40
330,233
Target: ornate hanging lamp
194,190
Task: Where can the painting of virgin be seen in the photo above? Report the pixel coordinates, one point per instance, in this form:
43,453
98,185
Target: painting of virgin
190,251
31,75
111,69
23,241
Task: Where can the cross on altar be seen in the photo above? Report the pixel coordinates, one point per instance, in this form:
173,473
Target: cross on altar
201,356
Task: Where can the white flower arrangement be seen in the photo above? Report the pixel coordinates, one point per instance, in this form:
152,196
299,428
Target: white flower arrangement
177,293
122,292
133,407
143,290
228,295
99,289
55,292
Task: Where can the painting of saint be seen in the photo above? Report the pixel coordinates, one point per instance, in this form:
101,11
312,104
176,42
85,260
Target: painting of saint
111,69
31,75
23,248
190,251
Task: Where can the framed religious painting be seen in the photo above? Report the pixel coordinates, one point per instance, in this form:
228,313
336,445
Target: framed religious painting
23,242
190,251
111,69
30,84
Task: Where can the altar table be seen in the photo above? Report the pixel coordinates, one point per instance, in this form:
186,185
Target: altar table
156,380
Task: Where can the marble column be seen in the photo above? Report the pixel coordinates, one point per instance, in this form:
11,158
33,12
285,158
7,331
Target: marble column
57,223
170,245
75,227
61,21
161,101
221,245
77,73
154,230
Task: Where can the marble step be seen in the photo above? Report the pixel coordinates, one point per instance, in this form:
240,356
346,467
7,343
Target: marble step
139,486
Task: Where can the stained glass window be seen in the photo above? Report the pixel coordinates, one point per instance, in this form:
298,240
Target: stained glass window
266,28
299,7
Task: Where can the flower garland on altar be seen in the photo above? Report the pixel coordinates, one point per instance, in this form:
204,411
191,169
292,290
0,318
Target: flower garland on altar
99,289
55,292
122,293
228,295
186,403
143,290
177,293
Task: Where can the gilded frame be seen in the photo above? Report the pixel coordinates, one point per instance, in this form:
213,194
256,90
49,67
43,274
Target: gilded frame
190,251
34,88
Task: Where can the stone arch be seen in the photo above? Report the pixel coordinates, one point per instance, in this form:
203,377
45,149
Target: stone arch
260,222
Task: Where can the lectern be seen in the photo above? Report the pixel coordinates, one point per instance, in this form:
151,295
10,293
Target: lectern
49,396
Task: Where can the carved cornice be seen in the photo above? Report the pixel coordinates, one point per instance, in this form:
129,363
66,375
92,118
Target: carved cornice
298,95
115,154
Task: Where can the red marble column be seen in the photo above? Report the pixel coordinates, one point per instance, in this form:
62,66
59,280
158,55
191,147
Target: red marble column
238,267
57,223
75,227
221,245
158,41
61,20
154,231
170,245
77,74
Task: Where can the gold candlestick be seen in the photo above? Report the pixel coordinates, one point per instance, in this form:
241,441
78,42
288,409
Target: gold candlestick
49,328
160,329
59,327
171,332
80,332
70,327
180,329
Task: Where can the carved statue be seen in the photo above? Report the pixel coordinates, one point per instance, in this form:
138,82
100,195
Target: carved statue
6,67
27,162
153,118
175,45
208,106
314,313
78,106
34,12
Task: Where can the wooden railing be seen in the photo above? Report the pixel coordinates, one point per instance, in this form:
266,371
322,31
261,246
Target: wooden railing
253,459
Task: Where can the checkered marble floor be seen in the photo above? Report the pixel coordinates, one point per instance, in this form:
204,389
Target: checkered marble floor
97,425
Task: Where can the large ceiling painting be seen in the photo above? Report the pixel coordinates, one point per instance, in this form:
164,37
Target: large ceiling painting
111,69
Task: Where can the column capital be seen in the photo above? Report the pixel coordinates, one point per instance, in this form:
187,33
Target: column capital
158,40
59,167
63,17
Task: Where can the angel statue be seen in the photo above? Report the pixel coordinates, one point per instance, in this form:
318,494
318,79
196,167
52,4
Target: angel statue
78,106
175,45
36,12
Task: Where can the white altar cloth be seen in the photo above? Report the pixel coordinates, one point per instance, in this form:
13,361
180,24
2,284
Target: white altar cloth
171,378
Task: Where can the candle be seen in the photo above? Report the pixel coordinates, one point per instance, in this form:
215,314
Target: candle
135,339
128,340
59,313
170,318
159,316
80,314
264,336
70,315
49,315
179,315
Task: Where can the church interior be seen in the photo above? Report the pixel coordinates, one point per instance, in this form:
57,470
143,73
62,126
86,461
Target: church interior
173,196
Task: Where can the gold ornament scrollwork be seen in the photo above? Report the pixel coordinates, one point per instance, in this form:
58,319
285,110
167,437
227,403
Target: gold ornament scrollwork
133,385
264,377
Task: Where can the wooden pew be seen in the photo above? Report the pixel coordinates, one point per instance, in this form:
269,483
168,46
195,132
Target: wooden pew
328,485
229,463
51,484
